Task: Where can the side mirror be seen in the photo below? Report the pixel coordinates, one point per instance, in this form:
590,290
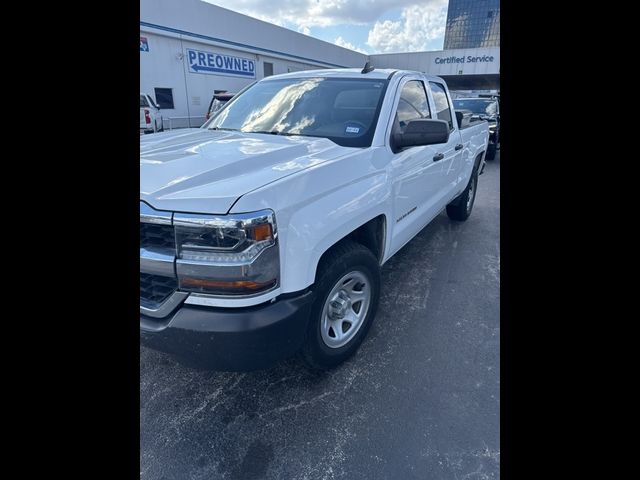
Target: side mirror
424,131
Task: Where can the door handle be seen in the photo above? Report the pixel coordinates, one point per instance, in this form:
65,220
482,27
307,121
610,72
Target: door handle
459,146
437,157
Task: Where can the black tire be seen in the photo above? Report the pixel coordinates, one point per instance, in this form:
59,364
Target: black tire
343,258
491,152
460,208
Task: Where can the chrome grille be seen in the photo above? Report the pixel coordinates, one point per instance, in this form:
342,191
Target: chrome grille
155,289
157,236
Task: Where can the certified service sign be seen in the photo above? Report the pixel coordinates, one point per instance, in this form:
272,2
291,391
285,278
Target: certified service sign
218,64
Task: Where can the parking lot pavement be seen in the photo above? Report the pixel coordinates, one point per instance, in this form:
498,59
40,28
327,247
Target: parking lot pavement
420,399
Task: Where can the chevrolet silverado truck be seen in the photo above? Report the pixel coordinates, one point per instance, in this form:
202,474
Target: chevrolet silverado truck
263,232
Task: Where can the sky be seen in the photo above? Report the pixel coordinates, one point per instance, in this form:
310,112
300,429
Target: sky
368,26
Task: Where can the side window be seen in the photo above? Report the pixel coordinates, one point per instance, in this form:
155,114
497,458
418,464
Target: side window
164,97
268,69
443,110
143,101
413,103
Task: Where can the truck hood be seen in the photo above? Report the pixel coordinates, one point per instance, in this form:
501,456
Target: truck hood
206,171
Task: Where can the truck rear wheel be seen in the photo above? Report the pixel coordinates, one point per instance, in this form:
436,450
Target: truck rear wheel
461,207
347,294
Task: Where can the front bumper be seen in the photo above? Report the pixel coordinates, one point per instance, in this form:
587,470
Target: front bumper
231,339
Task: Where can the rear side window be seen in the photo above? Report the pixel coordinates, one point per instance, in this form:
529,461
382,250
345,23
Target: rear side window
413,103
143,101
443,109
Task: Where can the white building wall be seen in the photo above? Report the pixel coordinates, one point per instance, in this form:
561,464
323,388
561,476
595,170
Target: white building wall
464,61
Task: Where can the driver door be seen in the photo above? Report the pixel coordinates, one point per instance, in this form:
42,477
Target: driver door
416,171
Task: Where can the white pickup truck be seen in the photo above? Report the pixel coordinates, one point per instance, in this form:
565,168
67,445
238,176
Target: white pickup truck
262,233
151,120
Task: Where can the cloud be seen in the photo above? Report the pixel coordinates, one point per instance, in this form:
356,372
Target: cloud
419,28
317,13
341,42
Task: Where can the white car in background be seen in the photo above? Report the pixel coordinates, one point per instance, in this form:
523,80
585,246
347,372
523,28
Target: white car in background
150,119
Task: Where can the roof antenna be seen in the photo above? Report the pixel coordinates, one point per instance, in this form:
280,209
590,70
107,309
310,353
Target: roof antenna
367,68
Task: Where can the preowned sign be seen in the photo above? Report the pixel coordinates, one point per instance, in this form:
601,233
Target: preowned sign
217,64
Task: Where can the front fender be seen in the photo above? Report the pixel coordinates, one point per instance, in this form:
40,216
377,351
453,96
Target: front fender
318,207
328,220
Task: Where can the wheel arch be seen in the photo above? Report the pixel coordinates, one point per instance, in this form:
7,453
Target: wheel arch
371,234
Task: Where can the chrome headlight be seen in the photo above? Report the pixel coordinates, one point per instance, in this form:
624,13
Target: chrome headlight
227,255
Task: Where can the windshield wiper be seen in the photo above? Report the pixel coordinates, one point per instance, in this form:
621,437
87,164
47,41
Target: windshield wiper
268,132
273,132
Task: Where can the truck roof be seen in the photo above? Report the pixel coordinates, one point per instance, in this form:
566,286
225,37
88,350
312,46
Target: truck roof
378,73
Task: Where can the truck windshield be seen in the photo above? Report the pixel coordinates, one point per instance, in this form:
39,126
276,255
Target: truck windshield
477,106
343,110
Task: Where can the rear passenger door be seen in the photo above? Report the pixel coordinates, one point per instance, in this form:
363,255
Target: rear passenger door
451,151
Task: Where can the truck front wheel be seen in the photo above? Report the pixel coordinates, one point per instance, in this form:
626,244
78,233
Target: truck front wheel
347,294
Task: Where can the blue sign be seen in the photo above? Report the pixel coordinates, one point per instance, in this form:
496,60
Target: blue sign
144,44
218,64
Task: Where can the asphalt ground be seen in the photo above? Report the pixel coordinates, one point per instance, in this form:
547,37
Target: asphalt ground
419,400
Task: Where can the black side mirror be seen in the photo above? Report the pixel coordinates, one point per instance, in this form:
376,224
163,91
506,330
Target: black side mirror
424,131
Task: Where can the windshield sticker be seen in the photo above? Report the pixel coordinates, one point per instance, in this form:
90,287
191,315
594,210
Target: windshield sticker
350,129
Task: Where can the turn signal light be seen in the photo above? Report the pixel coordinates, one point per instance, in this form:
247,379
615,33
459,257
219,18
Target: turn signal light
239,286
261,232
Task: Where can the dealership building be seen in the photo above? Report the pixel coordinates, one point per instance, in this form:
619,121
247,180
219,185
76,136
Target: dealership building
190,48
